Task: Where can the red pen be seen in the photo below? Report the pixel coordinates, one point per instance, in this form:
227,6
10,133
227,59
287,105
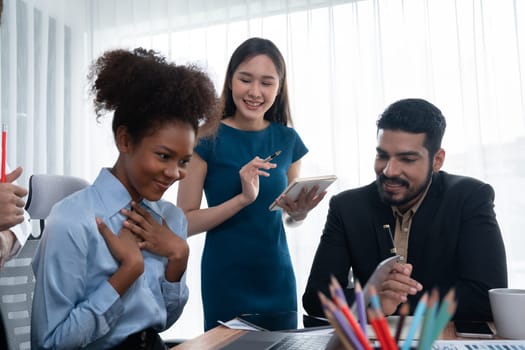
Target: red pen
4,153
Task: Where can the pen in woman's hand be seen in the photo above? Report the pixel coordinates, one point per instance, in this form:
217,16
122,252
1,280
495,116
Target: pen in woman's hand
267,159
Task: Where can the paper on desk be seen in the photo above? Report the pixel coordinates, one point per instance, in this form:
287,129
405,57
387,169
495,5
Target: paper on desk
237,323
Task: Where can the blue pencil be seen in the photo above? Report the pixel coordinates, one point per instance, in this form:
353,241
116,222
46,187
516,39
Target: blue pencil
427,328
445,313
374,298
416,320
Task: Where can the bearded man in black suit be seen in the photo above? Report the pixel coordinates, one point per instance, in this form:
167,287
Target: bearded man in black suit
445,227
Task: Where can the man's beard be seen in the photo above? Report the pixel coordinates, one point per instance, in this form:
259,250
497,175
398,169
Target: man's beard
410,196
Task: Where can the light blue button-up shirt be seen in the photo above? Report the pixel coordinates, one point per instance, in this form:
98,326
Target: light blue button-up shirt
74,305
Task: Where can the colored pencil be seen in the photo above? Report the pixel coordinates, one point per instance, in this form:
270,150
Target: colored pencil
380,325
381,320
338,321
403,312
429,321
445,313
416,320
374,298
340,300
374,322
360,305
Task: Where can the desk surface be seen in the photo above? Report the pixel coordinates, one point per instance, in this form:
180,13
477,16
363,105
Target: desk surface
220,336
213,339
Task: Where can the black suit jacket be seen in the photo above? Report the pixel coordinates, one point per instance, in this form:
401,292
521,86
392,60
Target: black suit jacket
454,241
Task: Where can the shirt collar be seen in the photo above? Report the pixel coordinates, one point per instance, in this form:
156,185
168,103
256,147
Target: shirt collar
115,196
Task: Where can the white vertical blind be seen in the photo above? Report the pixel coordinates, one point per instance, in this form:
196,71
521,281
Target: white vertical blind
40,85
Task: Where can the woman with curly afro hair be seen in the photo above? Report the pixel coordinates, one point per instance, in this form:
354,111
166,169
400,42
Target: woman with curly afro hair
110,270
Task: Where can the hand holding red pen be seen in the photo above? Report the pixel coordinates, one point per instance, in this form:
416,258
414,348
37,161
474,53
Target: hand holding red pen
11,201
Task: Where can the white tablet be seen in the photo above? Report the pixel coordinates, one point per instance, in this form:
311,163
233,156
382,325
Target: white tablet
294,189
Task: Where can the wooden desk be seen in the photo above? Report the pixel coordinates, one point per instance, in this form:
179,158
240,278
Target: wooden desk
220,336
213,339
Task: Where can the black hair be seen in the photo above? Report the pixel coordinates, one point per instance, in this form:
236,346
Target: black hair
416,116
279,112
146,92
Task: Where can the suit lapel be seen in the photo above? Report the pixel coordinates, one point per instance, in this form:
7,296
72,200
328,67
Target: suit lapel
421,227
382,215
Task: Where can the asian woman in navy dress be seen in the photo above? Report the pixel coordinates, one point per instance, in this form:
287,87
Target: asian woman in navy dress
246,265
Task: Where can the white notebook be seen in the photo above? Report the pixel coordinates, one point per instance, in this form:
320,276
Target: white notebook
294,189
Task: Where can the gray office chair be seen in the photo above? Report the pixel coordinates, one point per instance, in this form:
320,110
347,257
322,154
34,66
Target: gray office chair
16,278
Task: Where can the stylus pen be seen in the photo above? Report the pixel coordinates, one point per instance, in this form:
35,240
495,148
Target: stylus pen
267,159
393,249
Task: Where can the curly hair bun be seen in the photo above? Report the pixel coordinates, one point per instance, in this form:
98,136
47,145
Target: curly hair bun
143,89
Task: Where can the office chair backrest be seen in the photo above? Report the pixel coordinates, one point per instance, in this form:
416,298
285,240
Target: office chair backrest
16,278
45,190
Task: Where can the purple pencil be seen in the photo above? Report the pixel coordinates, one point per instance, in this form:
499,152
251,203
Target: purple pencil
360,302
344,325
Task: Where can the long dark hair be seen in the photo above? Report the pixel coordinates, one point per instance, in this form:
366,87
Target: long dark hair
280,110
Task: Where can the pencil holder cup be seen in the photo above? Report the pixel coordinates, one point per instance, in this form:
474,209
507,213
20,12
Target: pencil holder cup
508,310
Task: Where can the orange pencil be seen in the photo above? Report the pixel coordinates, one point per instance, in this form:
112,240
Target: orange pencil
386,330
378,329
381,320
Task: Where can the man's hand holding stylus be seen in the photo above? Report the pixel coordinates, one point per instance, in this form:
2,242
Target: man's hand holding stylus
395,289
